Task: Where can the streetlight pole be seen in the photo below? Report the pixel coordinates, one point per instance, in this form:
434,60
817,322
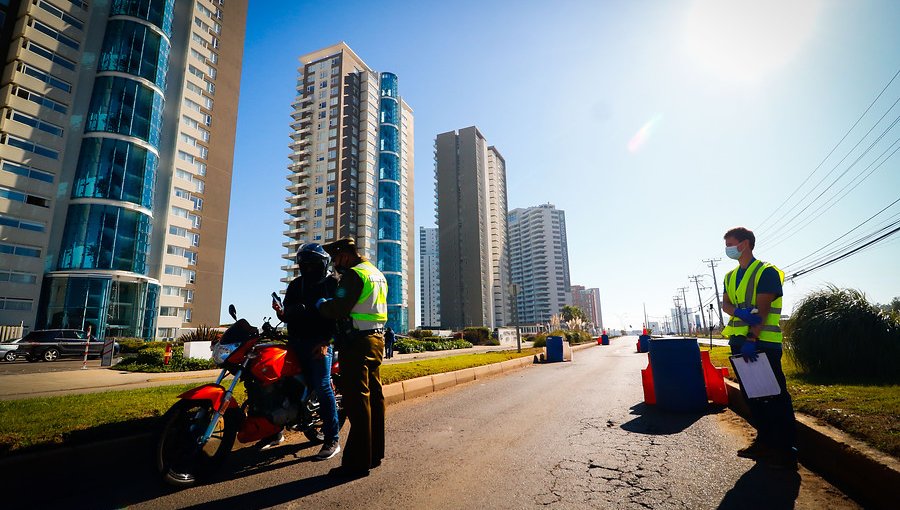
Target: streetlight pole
514,289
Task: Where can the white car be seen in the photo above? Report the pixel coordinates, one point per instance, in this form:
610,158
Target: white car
8,349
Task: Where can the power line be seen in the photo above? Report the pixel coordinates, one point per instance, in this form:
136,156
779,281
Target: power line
845,234
808,177
843,256
869,148
828,205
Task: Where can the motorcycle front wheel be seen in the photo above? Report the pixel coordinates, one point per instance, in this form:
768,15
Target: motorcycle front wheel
180,459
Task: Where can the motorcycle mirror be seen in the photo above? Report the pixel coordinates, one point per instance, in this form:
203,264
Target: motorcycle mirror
232,311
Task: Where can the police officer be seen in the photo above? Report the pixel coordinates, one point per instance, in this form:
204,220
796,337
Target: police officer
360,306
310,335
753,292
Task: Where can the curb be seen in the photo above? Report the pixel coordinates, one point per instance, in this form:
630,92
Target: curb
870,477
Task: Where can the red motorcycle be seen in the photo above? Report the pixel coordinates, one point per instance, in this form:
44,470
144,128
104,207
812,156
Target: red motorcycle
198,432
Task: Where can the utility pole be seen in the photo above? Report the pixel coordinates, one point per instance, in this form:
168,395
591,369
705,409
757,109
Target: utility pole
678,313
696,280
712,265
646,322
686,316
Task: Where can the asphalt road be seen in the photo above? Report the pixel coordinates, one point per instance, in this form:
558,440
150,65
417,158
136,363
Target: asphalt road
21,366
564,435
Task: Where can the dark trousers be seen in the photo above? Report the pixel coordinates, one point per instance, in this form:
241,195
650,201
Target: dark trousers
773,417
360,358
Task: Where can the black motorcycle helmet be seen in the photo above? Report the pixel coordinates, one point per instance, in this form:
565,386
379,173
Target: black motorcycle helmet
313,261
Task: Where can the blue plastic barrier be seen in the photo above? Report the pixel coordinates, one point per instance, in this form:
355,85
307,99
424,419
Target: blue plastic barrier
555,348
643,343
678,374
604,339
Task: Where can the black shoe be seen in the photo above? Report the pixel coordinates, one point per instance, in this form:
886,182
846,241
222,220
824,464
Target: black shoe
348,473
375,464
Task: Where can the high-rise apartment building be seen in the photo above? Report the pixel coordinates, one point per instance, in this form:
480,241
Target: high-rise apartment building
117,140
472,231
351,170
588,301
429,278
539,261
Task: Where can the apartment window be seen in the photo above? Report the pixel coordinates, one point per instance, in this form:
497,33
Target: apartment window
27,172
56,11
47,78
18,249
23,144
17,277
194,88
179,211
34,97
10,221
196,72
183,193
52,32
50,55
28,120
169,311
193,105
16,304
211,87
187,315
178,231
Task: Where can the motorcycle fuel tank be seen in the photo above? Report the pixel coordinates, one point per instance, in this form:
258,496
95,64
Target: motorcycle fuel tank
275,362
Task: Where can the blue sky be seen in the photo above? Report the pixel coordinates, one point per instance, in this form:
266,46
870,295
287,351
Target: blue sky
656,126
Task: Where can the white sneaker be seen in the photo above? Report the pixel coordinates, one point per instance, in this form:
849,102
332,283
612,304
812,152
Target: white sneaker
329,450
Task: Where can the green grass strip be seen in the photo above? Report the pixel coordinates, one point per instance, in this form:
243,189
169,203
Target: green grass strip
43,422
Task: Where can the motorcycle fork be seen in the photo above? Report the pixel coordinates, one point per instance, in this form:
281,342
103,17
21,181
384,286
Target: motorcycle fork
223,406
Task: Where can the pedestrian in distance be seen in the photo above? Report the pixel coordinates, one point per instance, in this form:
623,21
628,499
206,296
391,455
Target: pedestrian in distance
360,307
389,343
310,335
753,294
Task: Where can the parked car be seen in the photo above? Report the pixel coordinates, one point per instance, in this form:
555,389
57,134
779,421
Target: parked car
8,349
51,344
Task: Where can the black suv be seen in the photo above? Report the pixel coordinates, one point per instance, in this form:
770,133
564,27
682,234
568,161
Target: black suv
50,344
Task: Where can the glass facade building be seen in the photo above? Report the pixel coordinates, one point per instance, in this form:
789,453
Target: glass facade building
351,170
101,278
390,259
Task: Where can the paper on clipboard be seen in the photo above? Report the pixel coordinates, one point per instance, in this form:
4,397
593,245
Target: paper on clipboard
757,378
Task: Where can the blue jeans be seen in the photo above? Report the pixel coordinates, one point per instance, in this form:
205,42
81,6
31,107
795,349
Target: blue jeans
318,376
773,417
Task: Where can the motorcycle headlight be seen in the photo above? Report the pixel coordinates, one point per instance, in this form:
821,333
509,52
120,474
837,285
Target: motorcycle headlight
222,351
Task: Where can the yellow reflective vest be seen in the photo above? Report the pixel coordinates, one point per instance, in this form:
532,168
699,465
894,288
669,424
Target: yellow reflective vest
370,310
743,295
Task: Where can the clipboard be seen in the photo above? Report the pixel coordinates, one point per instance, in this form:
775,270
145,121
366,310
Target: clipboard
756,378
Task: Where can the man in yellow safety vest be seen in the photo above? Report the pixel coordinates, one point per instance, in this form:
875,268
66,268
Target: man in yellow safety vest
753,293
360,306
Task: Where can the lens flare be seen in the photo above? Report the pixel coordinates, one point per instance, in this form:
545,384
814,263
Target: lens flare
640,138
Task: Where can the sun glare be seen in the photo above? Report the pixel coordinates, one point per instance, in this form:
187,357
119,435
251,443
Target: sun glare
746,40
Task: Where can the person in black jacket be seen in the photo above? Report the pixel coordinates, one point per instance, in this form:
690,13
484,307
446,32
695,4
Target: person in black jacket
310,336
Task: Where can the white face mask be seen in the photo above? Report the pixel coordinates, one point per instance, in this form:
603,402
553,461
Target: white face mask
732,252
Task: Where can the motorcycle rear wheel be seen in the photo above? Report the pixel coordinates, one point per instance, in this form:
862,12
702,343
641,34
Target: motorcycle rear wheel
180,460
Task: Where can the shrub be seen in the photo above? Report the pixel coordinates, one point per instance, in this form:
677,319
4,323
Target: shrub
419,334
201,334
837,333
478,336
152,359
540,340
432,343
130,345
408,345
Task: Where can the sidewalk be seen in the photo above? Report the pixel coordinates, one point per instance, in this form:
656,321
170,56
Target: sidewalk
19,386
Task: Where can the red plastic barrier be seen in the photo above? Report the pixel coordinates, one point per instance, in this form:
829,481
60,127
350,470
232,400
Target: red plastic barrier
714,379
647,381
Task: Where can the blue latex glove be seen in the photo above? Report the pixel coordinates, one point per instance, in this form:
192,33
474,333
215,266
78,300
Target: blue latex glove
748,351
747,316
320,301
